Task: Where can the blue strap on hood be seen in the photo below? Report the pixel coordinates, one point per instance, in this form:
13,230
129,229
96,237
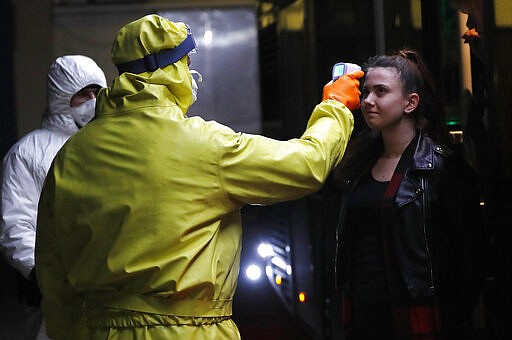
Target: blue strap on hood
161,59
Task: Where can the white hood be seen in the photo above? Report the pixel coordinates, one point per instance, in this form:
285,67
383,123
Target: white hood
67,76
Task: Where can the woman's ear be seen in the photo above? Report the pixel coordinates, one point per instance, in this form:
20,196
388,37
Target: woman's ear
412,103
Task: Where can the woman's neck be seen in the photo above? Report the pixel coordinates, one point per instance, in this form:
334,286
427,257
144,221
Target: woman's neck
395,142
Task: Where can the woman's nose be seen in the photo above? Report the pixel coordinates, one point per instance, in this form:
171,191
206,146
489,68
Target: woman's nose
368,99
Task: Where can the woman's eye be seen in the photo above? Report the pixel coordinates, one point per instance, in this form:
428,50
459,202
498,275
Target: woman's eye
380,91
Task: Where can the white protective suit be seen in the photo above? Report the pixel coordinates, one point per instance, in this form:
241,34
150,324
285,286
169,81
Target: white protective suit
25,165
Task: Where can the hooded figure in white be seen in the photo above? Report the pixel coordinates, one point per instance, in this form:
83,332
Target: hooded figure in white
25,165
73,82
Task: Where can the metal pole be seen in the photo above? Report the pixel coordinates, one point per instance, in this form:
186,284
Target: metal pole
380,32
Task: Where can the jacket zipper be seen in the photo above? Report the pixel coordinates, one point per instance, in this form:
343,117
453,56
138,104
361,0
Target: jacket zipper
424,222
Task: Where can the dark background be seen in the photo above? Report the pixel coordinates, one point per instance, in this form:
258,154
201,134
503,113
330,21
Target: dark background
294,66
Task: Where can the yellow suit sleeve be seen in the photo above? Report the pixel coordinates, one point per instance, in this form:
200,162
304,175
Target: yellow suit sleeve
259,170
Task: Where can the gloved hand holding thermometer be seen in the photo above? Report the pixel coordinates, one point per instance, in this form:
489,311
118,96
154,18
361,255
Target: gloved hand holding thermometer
344,87
340,69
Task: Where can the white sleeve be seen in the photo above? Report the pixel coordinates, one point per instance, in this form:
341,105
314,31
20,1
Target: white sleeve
20,191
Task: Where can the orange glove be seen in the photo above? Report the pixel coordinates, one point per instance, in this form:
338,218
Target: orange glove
470,35
345,90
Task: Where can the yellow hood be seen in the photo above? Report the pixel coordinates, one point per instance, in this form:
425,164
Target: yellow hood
164,86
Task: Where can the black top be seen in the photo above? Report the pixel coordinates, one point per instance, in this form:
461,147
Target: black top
364,220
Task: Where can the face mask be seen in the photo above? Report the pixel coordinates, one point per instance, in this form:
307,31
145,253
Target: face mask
194,84
83,113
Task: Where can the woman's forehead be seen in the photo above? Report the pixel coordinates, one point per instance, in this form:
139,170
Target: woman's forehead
385,75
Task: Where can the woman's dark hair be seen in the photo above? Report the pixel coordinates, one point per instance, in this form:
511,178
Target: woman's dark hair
364,149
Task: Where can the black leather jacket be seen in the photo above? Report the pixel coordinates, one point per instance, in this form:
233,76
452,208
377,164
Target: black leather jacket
437,231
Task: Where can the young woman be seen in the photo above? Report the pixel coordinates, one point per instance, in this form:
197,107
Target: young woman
409,237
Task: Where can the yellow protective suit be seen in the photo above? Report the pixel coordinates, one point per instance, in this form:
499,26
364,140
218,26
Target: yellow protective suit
139,224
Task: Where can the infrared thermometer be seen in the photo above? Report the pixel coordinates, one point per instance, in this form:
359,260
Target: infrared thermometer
340,69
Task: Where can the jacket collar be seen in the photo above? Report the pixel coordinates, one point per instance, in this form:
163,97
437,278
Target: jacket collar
423,158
